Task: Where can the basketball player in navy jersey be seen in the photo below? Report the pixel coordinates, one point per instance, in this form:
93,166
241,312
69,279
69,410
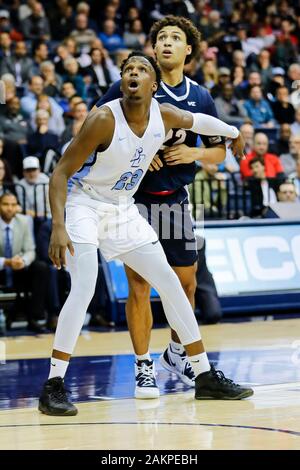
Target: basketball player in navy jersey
175,41
95,181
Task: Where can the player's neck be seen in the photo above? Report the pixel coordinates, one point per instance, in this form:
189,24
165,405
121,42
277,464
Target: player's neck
172,77
135,112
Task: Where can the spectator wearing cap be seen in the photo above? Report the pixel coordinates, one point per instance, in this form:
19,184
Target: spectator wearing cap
283,111
224,77
18,64
36,26
289,160
229,108
19,269
272,163
258,109
34,185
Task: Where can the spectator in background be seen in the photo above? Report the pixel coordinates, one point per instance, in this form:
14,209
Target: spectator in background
293,76
287,192
56,124
295,127
258,109
272,163
289,160
80,113
135,37
238,59
295,177
101,73
29,101
62,54
84,8
35,184
295,95
223,78
210,74
262,189
82,34
283,111
6,179
72,75
36,26
263,66
229,108
61,20
18,64
281,144
52,81
18,267
5,45
286,45
12,153
242,92
42,139
13,124
238,76
40,54
67,91
247,131
111,40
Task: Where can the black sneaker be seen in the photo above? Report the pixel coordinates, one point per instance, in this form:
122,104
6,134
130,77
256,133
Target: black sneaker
54,399
145,382
213,385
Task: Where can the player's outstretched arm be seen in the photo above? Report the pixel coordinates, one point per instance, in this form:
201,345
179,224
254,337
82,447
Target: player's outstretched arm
96,131
201,124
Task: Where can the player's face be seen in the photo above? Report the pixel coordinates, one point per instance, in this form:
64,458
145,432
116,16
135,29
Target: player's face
138,79
171,47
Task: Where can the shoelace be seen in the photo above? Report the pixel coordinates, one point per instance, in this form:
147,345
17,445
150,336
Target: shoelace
219,375
59,392
145,376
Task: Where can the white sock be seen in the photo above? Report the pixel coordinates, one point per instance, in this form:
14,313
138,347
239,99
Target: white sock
199,363
143,357
176,347
58,368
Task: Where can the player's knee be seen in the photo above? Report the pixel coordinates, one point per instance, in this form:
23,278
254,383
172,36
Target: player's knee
189,287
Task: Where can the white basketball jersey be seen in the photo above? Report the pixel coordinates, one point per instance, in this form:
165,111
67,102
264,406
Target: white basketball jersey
118,171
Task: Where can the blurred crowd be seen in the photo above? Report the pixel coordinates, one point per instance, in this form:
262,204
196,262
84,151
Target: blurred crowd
57,58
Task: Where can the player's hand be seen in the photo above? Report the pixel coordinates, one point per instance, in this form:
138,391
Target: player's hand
179,154
59,242
156,164
237,147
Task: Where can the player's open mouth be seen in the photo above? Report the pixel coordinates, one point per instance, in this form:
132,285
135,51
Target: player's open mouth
133,85
167,53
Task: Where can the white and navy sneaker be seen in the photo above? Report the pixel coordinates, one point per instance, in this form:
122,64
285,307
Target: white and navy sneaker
145,380
179,364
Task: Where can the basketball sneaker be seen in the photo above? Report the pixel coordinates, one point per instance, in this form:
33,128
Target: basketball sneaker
179,364
54,399
213,385
145,382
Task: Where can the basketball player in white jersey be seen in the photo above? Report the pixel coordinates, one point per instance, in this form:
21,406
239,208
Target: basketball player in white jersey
103,167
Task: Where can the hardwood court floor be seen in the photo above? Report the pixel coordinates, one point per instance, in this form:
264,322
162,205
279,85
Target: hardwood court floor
263,354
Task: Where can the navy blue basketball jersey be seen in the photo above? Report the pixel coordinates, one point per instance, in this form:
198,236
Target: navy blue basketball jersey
190,96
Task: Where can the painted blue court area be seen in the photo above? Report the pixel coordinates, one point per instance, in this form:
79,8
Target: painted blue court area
112,377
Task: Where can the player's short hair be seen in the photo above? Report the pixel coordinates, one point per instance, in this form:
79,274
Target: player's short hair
149,58
193,35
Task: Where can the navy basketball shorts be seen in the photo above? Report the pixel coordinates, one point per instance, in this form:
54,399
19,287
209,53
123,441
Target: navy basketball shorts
171,219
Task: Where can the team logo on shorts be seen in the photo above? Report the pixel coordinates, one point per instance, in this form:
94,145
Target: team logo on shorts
138,157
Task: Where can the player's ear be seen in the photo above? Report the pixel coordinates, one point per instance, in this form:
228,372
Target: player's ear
188,49
154,87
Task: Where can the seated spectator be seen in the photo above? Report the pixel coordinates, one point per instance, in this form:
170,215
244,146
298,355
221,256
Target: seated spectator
52,81
295,127
6,180
82,34
242,91
287,192
283,111
18,64
5,44
42,139
277,80
11,152
262,189
40,54
62,54
61,20
135,37
294,76
111,40
101,73
272,163
211,75
247,131
258,109
56,124
238,76
223,78
263,66
229,108
295,95
29,101
288,160
295,177
84,8
67,91
35,184
36,26
70,115
71,75
13,124
19,269
80,113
